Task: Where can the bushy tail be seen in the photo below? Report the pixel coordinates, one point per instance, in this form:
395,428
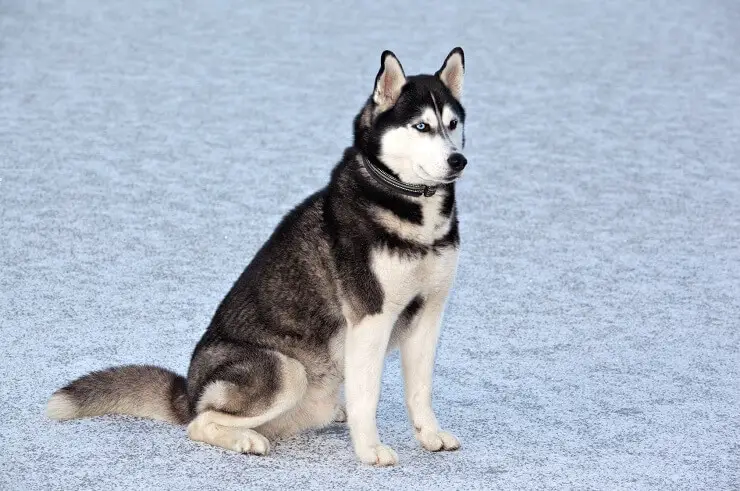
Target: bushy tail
136,390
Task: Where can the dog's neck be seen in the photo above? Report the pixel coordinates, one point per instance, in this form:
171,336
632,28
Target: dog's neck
378,171
424,220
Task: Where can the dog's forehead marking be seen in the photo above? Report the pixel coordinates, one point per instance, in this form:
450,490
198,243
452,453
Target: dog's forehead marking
442,124
436,118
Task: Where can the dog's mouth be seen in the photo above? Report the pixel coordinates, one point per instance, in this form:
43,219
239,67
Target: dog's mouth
449,179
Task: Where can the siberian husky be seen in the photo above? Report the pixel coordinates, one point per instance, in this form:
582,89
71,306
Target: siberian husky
360,267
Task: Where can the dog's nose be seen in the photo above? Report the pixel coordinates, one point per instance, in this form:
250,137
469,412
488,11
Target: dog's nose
457,161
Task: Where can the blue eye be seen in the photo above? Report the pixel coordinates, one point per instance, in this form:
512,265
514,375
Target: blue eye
421,127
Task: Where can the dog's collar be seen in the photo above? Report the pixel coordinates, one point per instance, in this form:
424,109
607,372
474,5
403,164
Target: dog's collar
416,190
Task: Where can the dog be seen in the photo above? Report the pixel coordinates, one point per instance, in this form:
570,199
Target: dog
360,267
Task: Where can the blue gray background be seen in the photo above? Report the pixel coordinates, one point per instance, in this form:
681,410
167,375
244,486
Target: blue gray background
148,148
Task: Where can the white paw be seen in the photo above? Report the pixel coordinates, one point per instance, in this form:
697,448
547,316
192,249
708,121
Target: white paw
379,455
340,416
435,441
249,441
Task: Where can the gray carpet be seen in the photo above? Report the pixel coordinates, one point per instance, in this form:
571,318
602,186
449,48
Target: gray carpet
147,148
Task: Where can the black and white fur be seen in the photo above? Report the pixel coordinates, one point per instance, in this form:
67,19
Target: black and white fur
356,269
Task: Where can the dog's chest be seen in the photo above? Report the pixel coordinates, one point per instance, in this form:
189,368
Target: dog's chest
403,277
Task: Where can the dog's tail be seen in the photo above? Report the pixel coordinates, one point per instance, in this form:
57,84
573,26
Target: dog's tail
136,390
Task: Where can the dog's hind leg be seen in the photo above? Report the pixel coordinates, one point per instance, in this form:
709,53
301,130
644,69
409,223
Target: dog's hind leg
241,396
226,431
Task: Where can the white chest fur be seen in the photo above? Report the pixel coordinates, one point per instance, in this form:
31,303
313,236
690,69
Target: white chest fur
403,277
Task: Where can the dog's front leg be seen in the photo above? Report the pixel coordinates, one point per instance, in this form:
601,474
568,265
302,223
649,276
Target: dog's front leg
417,359
365,347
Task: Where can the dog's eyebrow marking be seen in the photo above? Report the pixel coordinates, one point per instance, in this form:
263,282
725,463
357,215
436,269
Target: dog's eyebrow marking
429,117
440,122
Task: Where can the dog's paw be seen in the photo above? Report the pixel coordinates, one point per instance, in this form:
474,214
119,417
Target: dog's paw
249,441
378,455
340,414
438,440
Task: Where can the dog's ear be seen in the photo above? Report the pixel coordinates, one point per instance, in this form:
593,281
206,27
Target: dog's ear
453,71
389,81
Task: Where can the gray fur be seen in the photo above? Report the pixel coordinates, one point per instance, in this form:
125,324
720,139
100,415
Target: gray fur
135,390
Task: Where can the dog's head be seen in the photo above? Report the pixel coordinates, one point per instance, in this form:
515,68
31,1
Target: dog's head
415,126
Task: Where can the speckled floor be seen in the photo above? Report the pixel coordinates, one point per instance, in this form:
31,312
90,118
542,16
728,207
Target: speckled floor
147,148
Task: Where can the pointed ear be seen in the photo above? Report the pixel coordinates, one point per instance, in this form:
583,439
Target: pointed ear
452,72
389,81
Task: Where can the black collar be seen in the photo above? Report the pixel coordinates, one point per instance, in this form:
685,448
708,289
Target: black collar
416,190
